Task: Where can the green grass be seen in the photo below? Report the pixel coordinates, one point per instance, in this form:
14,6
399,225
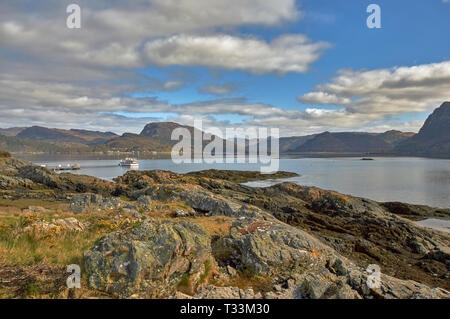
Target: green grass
56,248
24,250
208,268
25,203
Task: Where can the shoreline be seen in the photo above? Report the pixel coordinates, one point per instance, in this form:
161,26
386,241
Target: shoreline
108,171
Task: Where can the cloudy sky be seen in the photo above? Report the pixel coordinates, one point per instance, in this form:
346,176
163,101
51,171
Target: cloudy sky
303,66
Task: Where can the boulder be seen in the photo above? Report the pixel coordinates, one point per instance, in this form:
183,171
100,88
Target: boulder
38,175
145,202
70,224
184,213
307,267
41,228
82,202
268,247
149,260
213,292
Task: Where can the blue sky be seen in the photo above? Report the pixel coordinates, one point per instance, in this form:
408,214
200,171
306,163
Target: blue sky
413,32
289,62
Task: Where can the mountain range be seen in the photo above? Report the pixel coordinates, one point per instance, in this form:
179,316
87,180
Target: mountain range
433,140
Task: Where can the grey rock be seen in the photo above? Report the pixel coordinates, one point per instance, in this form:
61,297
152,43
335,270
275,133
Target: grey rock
231,271
271,248
213,292
150,259
82,202
144,202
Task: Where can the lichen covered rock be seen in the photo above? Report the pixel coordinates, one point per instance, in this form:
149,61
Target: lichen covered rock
148,260
268,247
82,202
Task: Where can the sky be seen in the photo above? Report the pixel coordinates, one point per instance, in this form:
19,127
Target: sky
303,66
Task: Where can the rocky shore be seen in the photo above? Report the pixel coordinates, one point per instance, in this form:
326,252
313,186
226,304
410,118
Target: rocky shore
158,234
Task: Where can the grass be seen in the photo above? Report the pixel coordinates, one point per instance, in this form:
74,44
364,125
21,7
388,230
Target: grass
35,265
25,203
32,289
18,247
185,285
206,275
25,250
215,225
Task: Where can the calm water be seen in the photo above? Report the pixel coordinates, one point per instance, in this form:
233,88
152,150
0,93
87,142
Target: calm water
435,223
412,180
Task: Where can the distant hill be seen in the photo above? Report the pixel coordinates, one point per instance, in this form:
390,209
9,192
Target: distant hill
50,135
13,131
352,142
129,142
162,131
18,145
433,139
293,142
394,137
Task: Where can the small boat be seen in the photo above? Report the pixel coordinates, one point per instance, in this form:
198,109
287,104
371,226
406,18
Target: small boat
69,167
129,162
367,159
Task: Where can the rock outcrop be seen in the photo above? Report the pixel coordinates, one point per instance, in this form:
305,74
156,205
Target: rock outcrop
151,259
433,139
43,228
298,241
269,247
83,202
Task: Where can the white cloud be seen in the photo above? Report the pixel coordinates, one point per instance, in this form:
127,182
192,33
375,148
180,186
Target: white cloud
322,98
287,53
223,89
385,92
112,34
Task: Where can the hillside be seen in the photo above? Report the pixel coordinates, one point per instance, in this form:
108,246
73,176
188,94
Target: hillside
433,138
352,142
293,142
129,142
394,137
18,145
12,131
84,137
162,131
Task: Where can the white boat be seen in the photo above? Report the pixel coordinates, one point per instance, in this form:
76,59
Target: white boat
69,167
129,162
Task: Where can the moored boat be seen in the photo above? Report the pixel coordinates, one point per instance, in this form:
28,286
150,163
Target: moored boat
129,162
